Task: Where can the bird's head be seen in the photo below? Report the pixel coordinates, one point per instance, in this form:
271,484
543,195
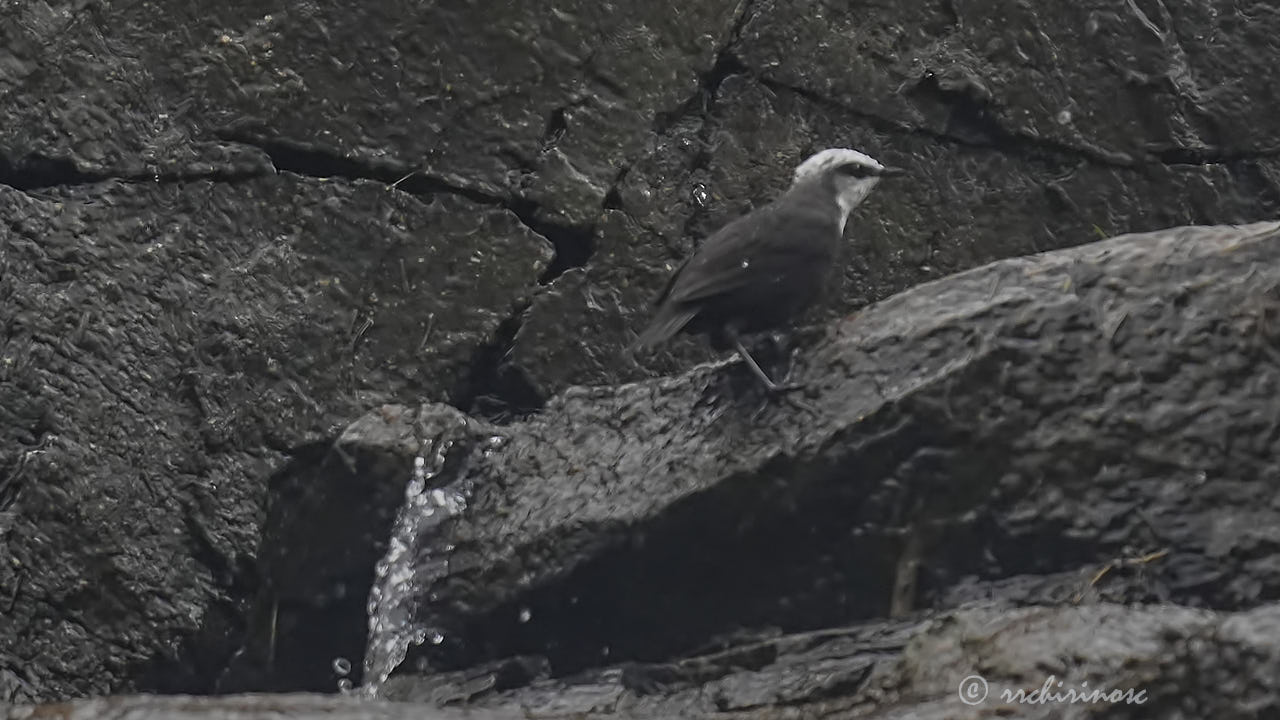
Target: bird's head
852,175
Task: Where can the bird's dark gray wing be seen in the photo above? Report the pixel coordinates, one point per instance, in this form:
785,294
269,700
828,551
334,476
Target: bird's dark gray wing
755,250
778,237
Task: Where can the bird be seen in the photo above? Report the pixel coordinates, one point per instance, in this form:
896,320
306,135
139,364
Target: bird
762,270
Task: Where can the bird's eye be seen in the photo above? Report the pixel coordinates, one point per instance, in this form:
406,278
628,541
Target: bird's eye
855,170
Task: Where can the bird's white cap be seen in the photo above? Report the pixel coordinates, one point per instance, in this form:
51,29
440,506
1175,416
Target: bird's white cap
832,158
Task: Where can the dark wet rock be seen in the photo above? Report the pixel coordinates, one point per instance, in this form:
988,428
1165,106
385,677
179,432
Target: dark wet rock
1102,407
179,324
1179,81
167,347
247,707
546,355
1145,662
1164,663
546,106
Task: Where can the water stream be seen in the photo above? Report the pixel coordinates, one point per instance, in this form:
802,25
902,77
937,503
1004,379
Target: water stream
407,568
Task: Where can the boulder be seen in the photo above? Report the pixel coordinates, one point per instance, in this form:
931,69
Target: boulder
1091,425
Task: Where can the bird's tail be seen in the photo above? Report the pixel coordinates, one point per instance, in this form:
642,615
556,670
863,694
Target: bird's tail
669,321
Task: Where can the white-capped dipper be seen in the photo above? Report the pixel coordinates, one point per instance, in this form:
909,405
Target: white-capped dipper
763,270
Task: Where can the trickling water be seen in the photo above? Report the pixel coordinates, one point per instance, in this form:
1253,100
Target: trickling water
394,624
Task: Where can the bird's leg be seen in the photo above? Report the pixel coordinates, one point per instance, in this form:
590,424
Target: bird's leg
768,382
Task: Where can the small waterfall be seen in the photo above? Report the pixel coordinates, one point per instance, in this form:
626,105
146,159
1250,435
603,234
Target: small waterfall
407,567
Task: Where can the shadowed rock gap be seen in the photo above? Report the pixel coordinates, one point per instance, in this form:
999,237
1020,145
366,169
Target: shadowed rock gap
573,246
214,659
304,584
493,390
760,546
37,172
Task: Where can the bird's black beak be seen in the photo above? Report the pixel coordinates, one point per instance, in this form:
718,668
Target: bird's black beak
892,172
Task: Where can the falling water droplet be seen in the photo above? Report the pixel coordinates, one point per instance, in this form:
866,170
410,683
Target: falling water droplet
525,615
701,196
437,637
344,686
341,666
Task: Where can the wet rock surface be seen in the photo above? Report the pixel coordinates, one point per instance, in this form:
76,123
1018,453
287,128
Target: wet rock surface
1028,418
1026,464
1145,662
169,348
246,707
227,232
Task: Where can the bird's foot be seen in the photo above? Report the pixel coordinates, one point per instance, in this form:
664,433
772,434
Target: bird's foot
785,393
784,387
787,384
774,388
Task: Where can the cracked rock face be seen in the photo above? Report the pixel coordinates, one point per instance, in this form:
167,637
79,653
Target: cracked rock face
1025,127
225,232
1053,125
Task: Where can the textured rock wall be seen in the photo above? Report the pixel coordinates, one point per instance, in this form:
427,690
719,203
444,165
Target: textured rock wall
204,273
